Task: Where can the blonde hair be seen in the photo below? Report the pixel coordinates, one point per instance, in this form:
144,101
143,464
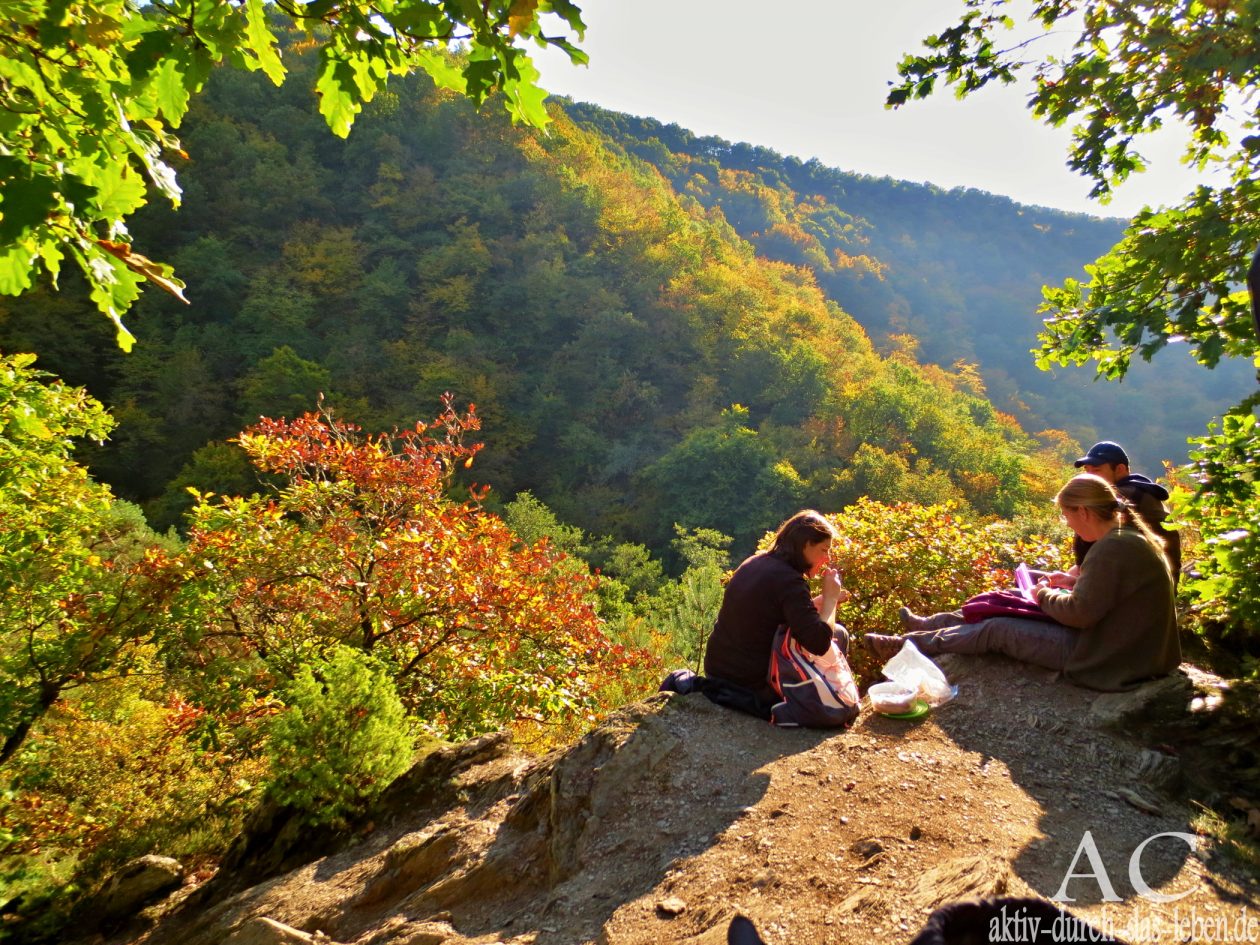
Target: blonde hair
1099,498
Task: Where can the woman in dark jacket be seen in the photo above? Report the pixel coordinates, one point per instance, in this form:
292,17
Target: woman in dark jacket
767,590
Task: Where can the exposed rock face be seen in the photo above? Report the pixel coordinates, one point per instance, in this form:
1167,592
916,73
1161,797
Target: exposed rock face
590,782
969,877
542,811
138,883
434,779
276,839
1160,697
414,862
674,815
261,931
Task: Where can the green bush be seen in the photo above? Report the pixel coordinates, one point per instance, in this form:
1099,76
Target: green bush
111,772
679,616
682,615
1223,583
928,558
342,738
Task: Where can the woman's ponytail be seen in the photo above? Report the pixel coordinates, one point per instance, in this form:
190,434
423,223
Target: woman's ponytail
1130,519
1087,491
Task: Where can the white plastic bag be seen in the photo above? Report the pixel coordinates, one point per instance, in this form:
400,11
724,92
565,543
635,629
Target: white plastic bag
910,669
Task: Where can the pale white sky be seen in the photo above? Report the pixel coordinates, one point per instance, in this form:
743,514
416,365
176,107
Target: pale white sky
808,78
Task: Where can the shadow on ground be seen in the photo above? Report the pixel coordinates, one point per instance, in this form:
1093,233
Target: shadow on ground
1106,795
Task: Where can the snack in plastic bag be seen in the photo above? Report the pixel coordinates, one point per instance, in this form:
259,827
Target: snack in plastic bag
912,670
892,698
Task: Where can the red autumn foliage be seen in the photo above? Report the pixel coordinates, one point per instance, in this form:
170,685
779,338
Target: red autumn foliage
363,545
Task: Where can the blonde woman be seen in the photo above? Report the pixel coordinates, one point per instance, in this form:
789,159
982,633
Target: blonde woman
1112,628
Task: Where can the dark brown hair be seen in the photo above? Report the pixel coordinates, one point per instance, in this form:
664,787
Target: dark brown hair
806,527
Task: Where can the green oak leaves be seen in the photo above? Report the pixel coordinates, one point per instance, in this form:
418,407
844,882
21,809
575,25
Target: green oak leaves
91,92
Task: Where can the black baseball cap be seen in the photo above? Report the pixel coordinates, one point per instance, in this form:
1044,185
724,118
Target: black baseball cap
1103,454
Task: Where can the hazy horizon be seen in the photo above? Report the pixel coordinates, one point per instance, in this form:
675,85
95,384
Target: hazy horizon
816,90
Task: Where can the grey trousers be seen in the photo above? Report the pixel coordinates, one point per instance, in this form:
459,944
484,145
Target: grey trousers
1029,641
951,618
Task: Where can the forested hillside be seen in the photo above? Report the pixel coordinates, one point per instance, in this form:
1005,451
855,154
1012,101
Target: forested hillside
635,363
961,271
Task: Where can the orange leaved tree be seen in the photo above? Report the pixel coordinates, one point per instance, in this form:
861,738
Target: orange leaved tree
361,545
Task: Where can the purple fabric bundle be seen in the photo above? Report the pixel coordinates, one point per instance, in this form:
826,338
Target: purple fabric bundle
1002,604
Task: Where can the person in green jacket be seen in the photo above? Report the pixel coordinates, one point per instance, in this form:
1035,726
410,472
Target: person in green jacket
1110,628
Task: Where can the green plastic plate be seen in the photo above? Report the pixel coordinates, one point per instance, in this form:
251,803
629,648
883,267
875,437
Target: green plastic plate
921,709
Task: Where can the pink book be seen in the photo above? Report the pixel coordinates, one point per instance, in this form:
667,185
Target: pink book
1025,582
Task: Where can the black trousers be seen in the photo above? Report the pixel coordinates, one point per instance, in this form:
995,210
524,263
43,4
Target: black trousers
740,698
723,693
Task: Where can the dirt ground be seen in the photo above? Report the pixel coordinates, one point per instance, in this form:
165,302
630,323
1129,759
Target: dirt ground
678,815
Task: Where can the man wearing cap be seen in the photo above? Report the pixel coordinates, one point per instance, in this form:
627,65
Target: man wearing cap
1108,461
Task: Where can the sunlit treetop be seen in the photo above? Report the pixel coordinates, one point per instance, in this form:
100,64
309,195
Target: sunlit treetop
1179,272
1131,67
90,93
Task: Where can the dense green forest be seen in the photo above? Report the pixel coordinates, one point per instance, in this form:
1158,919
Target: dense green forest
960,271
635,363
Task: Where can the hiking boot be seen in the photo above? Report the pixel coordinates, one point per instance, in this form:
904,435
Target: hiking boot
681,681
910,622
882,647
